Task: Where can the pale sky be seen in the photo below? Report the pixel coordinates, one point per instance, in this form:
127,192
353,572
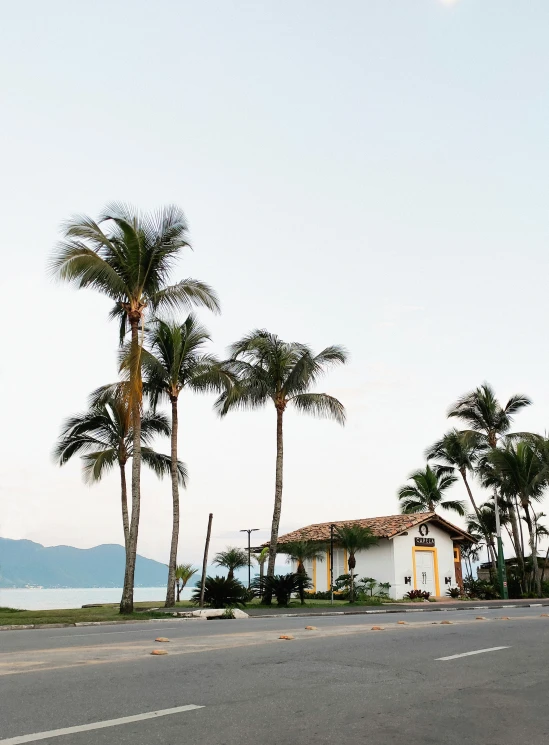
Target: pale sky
368,173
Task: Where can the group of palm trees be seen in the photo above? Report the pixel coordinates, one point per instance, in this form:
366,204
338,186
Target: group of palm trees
513,466
128,256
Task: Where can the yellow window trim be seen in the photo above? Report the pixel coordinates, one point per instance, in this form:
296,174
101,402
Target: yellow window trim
434,552
457,554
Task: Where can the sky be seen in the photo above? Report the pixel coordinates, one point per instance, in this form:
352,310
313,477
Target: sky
367,173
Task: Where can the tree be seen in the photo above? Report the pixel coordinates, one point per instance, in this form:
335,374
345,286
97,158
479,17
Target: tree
483,413
524,476
267,369
261,558
426,493
183,573
461,451
127,255
300,552
232,558
176,361
354,538
102,437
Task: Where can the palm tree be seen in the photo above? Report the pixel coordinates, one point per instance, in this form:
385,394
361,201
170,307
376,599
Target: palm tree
176,361
426,493
269,369
354,538
483,523
461,451
524,476
261,558
128,255
103,437
483,413
183,573
232,558
300,552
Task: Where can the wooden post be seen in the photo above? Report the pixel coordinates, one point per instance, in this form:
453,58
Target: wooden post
205,562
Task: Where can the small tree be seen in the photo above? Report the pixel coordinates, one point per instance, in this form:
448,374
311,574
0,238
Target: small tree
426,492
232,558
354,538
300,552
183,573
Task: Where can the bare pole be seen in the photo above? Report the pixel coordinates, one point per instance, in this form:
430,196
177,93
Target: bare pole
205,562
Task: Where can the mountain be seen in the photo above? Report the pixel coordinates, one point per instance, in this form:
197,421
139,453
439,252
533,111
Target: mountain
28,563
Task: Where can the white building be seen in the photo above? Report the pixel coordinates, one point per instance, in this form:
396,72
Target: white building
419,551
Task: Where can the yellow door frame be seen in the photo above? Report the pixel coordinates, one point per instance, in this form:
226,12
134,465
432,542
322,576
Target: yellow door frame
435,566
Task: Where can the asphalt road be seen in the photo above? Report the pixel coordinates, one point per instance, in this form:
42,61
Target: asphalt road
340,683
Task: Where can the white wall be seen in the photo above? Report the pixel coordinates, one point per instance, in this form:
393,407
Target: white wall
377,562
403,545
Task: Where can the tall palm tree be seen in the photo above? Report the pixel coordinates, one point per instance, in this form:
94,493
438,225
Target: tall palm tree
461,451
426,493
269,369
354,538
102,437
483,413
128,256
232,558
176,361
183,573
300,552
524,476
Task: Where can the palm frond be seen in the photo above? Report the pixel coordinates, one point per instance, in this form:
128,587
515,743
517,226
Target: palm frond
161,464
320,405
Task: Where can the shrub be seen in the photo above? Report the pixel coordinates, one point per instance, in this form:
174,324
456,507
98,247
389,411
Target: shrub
418,595
219,592
282,586
479,589
453,592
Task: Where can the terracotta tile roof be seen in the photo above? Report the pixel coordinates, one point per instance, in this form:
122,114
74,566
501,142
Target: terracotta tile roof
383,527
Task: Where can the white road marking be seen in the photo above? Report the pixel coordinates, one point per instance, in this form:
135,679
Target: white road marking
102,633
455,656
97,725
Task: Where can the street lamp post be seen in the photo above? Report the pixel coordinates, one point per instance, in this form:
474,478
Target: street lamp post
332,564
249,531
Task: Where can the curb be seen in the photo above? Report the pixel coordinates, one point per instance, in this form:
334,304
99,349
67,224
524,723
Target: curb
37,626
401,610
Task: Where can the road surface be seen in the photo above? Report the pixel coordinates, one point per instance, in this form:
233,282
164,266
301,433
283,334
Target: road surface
480,682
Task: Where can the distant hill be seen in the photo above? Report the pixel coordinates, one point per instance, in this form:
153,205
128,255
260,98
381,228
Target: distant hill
28,563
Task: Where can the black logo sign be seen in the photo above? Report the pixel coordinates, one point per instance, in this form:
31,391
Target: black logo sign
423,530
425,541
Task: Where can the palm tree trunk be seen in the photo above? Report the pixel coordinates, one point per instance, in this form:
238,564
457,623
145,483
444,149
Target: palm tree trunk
491,552
516,540
278,499
544,566
170,591
179,588
537,580
352,580
124,495
126,604
231,573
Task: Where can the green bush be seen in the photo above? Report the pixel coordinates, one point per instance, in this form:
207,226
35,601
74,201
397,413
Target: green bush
282,586
220,592
479,589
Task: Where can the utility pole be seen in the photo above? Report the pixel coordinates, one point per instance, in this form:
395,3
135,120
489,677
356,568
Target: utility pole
205,562
249,531
502,575
332,564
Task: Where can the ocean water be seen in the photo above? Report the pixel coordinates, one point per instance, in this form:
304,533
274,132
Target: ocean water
31,599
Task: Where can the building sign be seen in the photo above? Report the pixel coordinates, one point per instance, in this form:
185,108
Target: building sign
425,541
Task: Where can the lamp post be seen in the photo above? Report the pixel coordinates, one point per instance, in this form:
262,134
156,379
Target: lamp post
249,531
332,564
